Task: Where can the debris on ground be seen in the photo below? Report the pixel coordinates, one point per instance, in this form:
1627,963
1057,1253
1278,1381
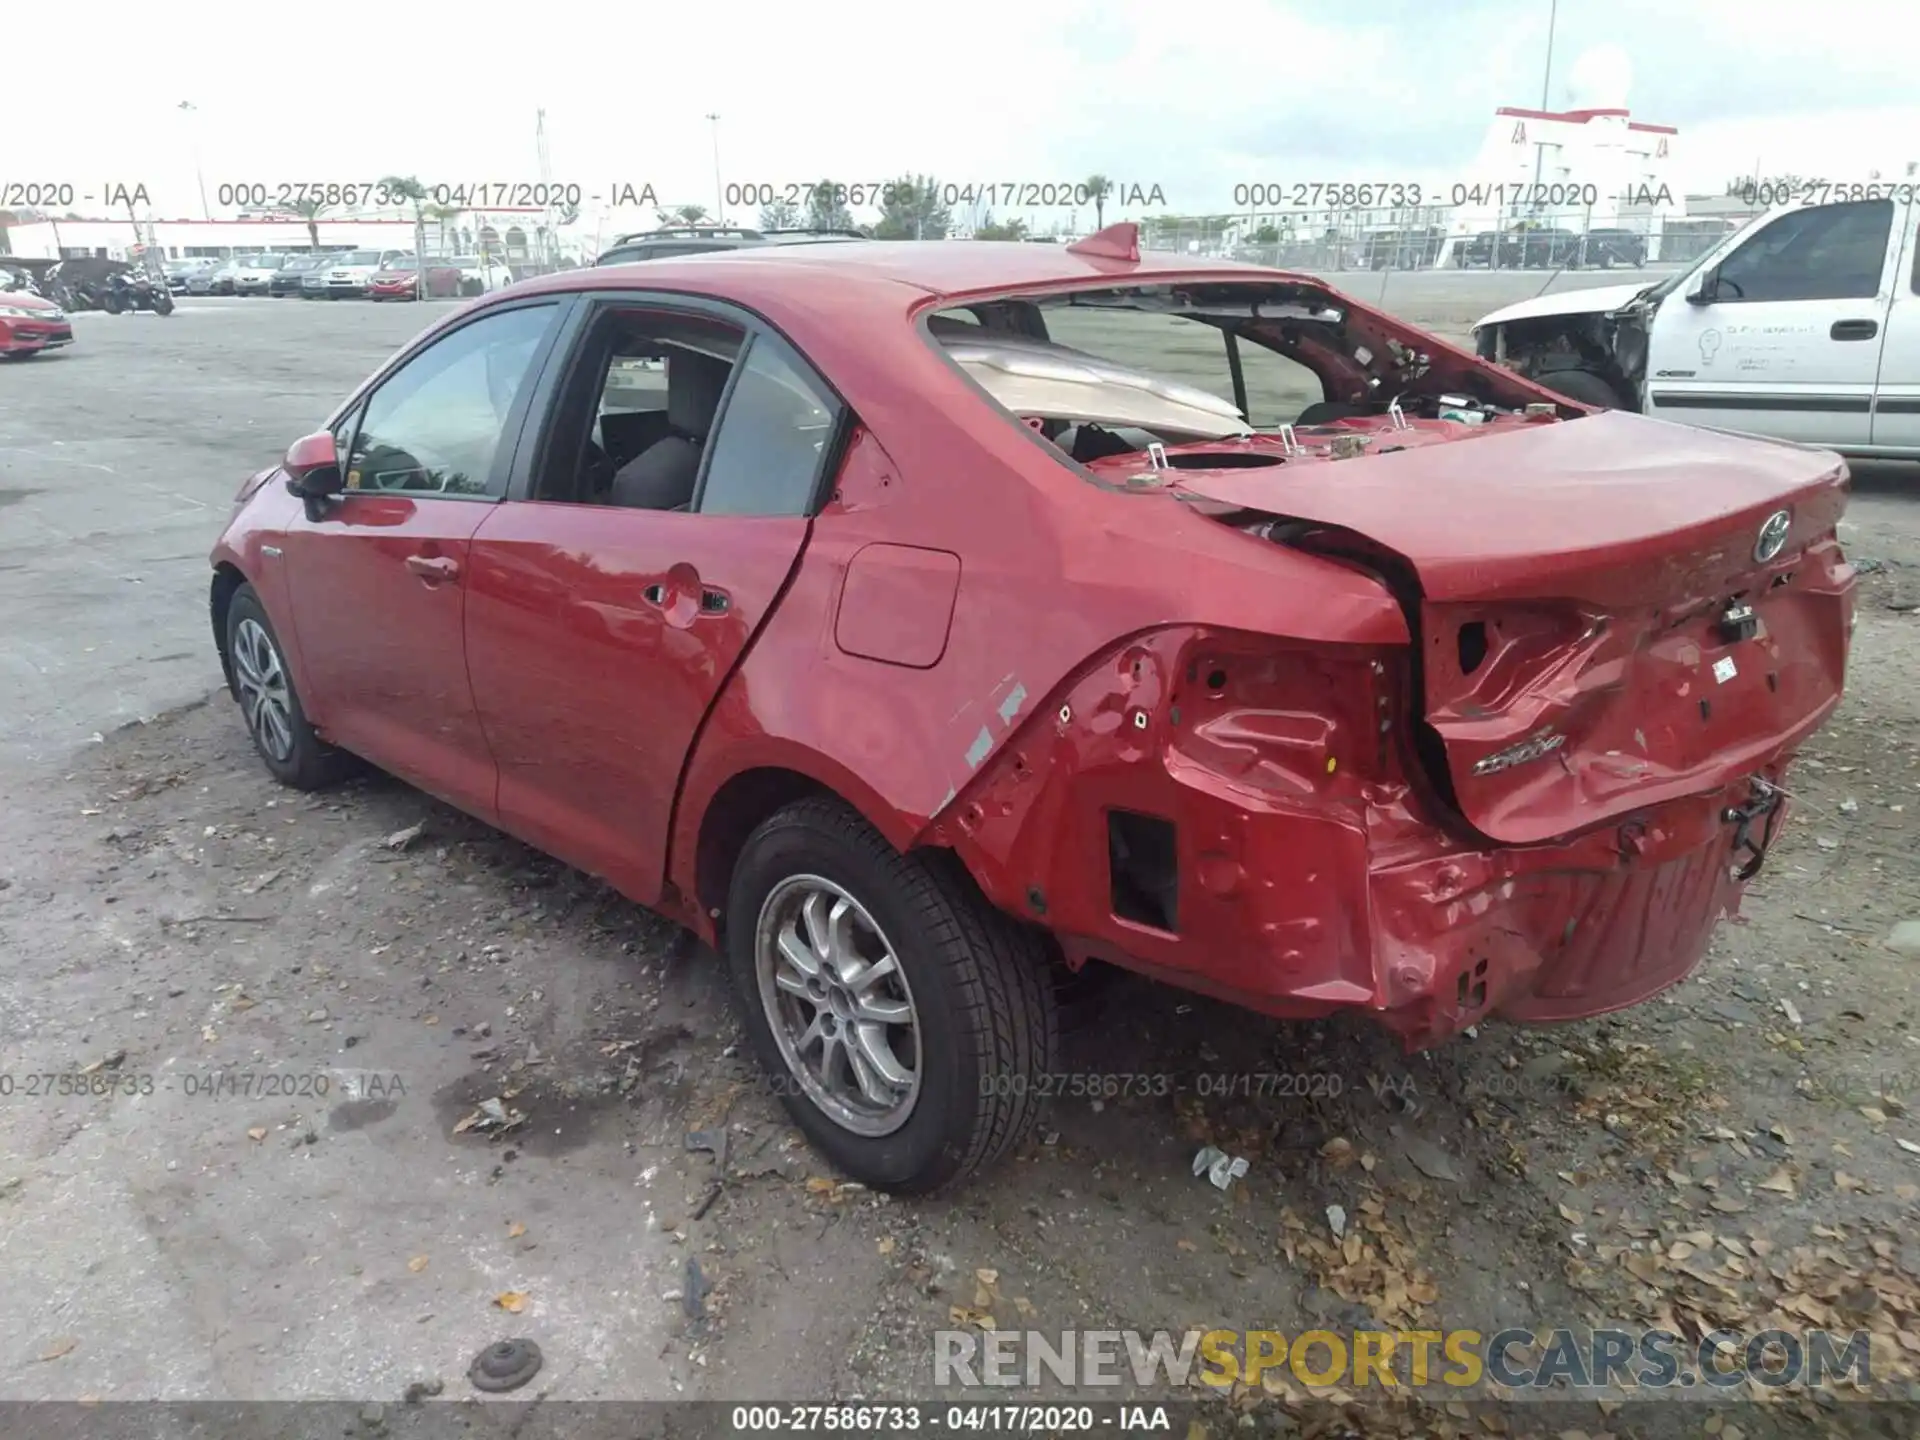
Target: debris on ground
693,1296
1218,1166
714,1142
401,839
1429,1159
504,1366
493,1116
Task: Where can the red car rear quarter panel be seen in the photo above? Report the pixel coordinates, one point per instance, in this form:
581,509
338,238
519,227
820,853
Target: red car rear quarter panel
1075,679
1054,573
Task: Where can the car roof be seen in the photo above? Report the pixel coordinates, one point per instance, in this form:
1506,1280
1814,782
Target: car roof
935,267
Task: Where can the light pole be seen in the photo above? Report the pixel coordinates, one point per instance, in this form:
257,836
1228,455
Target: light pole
1546,84
189,109
719,195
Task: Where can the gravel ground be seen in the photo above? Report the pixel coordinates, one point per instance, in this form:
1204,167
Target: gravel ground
295,1191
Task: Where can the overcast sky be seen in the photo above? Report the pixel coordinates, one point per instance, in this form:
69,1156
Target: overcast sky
1193,96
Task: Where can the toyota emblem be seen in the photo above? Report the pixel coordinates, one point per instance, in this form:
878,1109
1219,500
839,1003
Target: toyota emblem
1773,535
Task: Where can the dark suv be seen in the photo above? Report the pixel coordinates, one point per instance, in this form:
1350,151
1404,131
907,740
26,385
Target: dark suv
1607,247
702,239
1525,246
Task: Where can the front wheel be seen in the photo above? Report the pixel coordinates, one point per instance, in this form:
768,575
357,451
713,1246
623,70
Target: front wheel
293,752
909,1025
162,303
114,304
1583,386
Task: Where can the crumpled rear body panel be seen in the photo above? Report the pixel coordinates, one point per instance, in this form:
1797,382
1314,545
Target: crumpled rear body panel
1311,874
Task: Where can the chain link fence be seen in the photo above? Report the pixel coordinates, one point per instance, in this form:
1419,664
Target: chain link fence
1343,240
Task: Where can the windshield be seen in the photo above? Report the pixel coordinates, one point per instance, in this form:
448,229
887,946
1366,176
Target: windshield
398,265
360,257
262,262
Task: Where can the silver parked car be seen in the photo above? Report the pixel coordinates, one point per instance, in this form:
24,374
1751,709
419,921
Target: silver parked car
349,274
253,274
216,280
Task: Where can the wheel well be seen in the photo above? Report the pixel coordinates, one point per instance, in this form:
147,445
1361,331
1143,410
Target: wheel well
227,580
736,808
1538,347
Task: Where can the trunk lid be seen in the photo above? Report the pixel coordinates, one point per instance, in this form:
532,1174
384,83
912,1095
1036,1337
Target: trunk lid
1608,615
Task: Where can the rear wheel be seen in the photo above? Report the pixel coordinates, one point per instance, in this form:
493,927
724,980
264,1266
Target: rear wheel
1583,386
909,1024
263,683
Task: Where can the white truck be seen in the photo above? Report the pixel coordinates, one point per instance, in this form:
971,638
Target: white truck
1804,325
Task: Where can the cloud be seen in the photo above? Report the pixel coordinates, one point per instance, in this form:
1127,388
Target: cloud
1194,96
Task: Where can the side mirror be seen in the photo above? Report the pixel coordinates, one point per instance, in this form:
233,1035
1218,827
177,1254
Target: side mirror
1705,291
313,467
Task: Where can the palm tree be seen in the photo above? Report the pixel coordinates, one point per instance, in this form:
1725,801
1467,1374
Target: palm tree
690,214
443,215
311,211
1098,187
409,188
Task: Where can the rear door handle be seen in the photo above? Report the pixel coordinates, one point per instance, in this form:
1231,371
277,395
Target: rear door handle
1854,329
433,567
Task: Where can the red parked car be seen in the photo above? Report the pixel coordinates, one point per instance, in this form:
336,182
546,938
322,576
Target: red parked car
917,622
399,280
30,324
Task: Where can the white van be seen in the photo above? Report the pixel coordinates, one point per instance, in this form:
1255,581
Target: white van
1804,325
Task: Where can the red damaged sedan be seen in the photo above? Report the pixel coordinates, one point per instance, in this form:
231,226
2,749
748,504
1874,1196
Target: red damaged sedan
30,324
913,621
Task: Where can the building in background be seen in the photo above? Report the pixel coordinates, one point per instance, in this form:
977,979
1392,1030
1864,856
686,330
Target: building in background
512,236
1571,169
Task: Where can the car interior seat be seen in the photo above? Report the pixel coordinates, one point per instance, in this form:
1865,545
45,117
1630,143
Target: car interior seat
661,477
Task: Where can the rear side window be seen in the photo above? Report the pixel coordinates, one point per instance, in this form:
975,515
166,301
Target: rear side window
772,441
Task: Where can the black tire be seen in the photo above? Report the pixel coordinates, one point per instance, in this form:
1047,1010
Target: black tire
163,304
114,304
308,762
1583,386
981,989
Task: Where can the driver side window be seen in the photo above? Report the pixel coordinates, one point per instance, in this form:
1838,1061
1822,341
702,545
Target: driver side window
434,426
1824,252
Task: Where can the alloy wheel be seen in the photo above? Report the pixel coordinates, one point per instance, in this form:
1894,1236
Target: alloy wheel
838,1003
265,697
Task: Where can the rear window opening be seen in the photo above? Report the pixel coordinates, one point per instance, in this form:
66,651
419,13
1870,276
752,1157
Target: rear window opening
1103,373
1144,868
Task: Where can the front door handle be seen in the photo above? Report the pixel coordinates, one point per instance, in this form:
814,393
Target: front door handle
433,567
1854,329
